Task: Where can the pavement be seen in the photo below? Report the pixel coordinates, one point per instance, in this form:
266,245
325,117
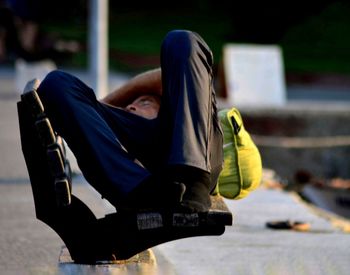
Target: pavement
28,246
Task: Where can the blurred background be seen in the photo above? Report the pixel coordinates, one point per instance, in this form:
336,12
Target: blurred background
314,35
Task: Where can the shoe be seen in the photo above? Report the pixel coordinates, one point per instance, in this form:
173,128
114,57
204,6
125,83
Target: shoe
51,142
198,186
196,198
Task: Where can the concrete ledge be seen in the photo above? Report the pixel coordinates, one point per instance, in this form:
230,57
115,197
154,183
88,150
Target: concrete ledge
314,135
142,263
146,256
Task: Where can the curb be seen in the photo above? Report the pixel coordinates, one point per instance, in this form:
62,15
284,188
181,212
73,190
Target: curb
337,222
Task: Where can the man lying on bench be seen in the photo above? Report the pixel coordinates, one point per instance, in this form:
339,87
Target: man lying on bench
153,148
153,143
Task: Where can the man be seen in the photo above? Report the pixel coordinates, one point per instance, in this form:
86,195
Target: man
155,141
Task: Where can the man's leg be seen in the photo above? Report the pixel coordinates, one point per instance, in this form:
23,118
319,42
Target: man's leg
85,125
188,113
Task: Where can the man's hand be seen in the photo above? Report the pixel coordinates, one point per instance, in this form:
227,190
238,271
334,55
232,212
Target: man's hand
146,83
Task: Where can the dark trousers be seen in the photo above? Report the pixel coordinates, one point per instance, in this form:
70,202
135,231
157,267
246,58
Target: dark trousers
106,140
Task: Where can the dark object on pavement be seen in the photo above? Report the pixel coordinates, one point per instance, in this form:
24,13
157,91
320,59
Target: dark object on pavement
288,224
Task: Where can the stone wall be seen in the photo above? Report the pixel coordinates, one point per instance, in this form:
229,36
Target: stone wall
315,139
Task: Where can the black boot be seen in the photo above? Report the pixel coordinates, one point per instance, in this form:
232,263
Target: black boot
198,186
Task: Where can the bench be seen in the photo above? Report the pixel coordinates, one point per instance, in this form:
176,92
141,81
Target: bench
90,240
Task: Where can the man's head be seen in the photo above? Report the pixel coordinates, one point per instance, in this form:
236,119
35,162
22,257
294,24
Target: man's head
146,106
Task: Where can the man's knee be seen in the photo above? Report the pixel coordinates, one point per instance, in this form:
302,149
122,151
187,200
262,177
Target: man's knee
178,35
52,84
56,77
186,44
177,41
59,85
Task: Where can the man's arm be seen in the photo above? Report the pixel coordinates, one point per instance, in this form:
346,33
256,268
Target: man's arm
149,82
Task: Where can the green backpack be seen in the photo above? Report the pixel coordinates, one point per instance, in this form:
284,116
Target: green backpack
242,169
